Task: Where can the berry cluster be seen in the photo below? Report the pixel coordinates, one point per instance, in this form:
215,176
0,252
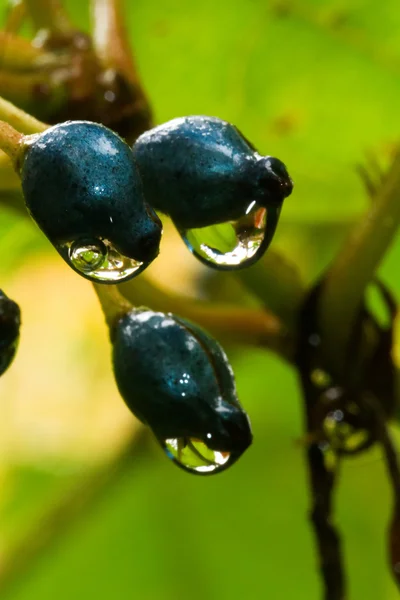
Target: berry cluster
95,197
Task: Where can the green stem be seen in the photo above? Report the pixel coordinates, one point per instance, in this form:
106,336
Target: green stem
10,141
18,53
354,268
50,15
114,305
15,16
19,119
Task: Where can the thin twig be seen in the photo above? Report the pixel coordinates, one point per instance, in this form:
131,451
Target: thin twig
19,119
10,141
113,304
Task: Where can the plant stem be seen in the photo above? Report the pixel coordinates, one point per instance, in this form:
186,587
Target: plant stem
252,327
20,87
19,119
276,282
50,15
354,268
110,38
10,141
15,16
114,305
18,53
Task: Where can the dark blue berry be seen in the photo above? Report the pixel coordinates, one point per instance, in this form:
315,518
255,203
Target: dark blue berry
177,380
82,187
202,171
10,321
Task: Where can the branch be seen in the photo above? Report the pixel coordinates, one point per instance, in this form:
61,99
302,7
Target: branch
354,268
19,119
50,15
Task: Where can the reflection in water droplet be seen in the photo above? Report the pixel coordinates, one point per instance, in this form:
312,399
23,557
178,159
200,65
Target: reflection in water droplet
98,260
89,257
194,455
233,244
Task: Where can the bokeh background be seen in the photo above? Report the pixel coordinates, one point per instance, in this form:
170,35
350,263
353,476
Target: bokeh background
316,83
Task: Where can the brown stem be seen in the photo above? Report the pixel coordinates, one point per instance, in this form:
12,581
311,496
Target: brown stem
10,141
110,38
18,53
15,16
322,481
50,15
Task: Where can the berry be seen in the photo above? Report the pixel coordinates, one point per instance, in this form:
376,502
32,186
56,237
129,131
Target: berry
202,171
10,321
83,189
177,380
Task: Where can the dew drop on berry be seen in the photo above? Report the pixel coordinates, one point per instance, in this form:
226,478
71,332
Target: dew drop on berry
234,244
99,261
195,456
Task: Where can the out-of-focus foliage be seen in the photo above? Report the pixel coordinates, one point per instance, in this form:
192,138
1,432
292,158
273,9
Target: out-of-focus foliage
316,84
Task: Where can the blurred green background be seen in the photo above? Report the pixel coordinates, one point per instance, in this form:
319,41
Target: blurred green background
316,83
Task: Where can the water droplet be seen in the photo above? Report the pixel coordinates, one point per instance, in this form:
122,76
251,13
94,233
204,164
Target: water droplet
99,261
194,455
234,244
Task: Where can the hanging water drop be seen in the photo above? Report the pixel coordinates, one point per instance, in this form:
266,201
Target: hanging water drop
234,244
222,195
87,255
194,455
99,260
82,187
177,380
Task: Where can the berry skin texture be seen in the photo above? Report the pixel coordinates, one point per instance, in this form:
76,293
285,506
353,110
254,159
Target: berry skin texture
176,379
201,171
10,321
80,182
